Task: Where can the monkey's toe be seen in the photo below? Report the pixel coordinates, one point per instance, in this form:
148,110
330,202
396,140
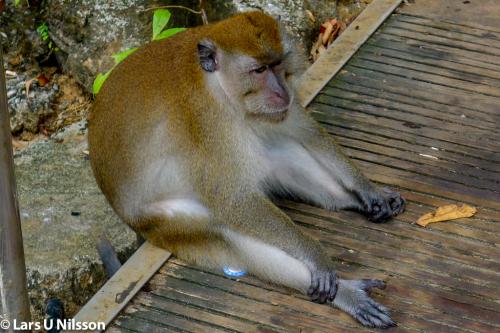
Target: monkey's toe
367,284
396,202
372,314
379,210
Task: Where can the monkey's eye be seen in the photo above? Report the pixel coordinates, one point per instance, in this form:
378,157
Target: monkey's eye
261,69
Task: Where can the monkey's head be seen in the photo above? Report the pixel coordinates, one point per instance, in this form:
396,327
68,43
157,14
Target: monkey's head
251,61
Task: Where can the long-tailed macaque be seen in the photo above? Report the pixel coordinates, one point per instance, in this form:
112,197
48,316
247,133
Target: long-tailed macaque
190,135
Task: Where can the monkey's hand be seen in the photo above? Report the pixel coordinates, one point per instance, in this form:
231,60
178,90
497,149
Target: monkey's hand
323,285
381,204
353,298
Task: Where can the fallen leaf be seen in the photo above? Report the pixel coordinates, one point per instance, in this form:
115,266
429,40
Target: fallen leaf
27,85
328,30
446,213
42,80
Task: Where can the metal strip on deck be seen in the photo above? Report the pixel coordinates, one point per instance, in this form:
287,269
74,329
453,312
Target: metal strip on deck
418,108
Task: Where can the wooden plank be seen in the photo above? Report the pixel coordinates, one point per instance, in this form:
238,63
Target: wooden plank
423,73
349,237
446,70
324,113
440,51
397,49
121,287
400,178
437,127
473,51
397,234
342,49
490,45
246,288
483,31
163,315
421,89
278,317
425,108
410,152
148,302
412,162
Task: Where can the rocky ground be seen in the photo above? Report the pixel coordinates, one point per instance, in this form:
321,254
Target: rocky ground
52,52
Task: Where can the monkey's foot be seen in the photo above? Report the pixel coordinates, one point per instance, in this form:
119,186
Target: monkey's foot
323,286
383,204
353,298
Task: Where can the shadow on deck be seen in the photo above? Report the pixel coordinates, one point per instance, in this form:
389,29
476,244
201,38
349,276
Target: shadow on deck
418,109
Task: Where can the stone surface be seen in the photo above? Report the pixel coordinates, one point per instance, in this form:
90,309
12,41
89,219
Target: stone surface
63,215
21,44
28,111
292,13
88,32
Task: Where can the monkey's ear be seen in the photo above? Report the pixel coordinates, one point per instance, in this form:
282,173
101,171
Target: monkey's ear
207,54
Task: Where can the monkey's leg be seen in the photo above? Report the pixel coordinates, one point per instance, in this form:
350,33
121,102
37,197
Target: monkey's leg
264,241
273,264
252,234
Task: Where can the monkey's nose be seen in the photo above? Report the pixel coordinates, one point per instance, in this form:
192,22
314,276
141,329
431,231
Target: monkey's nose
283,96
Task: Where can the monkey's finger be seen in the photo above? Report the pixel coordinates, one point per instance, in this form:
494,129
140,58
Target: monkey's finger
379,306
326,288
333,288
314,285
379,315
384,211
380,216
398,205
367,284
359,316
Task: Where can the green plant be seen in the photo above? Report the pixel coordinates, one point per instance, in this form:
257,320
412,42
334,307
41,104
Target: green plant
161,17
43,32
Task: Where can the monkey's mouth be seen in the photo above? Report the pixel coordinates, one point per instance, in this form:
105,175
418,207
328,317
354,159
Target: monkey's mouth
275,116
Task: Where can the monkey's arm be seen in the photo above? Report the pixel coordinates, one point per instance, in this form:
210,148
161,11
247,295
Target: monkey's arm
309,164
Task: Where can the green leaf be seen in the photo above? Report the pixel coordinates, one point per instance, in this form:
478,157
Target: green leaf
160,20
99,81
169,32
42,28
17,2
119,57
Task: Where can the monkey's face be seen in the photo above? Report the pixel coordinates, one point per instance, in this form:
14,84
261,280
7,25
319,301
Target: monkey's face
256,87
250,59
260,88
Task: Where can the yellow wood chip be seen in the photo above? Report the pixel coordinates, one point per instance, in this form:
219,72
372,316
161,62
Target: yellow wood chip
446,213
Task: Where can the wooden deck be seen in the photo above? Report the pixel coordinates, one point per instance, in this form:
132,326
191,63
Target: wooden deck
418,108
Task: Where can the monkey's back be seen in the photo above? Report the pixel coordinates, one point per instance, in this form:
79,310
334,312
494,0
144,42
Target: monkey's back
155,108
145,111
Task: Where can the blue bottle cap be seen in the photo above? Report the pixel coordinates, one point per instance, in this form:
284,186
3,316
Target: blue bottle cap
233,272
